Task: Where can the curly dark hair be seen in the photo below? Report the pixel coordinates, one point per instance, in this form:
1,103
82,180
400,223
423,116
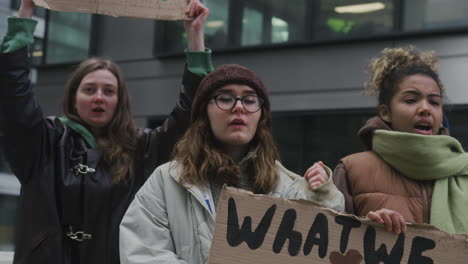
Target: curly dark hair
387,71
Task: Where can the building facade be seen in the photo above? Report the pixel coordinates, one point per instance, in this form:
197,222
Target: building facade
311,54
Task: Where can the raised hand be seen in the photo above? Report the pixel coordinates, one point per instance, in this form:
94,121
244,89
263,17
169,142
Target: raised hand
194,28
391,219
316,175
26,9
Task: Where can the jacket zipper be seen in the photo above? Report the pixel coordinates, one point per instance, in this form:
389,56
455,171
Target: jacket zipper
425,204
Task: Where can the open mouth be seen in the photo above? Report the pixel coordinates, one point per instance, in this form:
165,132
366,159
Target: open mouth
238,122
98,110
423,129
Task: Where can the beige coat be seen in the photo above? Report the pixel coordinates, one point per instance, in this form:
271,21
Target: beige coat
168,224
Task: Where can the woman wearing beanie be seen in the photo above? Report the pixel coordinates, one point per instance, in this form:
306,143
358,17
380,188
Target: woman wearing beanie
412,170
172,217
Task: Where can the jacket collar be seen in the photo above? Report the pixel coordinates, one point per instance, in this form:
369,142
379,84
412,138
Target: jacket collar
202,193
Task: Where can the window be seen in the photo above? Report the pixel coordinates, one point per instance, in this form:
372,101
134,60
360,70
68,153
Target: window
252,27
235,24
434,14
355,18
249,23
68,36
60,37
216,30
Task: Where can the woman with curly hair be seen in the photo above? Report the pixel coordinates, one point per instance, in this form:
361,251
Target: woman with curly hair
172,217
411,169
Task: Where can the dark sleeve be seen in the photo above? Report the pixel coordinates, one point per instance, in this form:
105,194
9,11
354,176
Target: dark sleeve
340,179
161,141
22,122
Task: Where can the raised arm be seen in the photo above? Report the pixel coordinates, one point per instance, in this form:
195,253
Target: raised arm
160,142
23,120
20,29
194,28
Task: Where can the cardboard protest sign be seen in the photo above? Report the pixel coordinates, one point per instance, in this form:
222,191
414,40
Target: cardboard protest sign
262,229
155,9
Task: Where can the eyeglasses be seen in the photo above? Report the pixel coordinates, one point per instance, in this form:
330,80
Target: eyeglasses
251,103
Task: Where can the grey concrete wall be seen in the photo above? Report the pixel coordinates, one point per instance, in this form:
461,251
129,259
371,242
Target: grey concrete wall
299,79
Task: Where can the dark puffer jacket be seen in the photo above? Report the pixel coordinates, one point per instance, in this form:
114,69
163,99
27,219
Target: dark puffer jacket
64,183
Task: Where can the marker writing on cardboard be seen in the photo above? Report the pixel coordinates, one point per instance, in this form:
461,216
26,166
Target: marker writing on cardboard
373,253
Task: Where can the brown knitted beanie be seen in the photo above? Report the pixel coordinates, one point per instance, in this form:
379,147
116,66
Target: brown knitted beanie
224,75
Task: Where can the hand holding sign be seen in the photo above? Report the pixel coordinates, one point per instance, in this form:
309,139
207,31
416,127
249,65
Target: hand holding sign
262,229
155,9
391,219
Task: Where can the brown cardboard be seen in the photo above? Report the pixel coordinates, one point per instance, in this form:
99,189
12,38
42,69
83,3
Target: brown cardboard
154,9
421,244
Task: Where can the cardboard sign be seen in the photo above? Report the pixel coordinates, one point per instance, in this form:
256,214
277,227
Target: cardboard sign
155,9
263,229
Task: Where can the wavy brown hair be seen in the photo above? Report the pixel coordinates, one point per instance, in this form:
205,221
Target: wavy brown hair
387,71
201,158
118,140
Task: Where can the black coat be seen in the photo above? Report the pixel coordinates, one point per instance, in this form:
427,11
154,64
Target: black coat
56,193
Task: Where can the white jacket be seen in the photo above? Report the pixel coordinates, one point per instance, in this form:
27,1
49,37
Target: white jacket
168,224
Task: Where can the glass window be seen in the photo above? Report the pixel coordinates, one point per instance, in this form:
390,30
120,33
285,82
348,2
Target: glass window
279,31
236,24
353,18
67,40
252,27
68,37
242,23
288,21
434,14
216,29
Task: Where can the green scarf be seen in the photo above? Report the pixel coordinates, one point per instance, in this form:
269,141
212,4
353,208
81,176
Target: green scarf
431,158
88,137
